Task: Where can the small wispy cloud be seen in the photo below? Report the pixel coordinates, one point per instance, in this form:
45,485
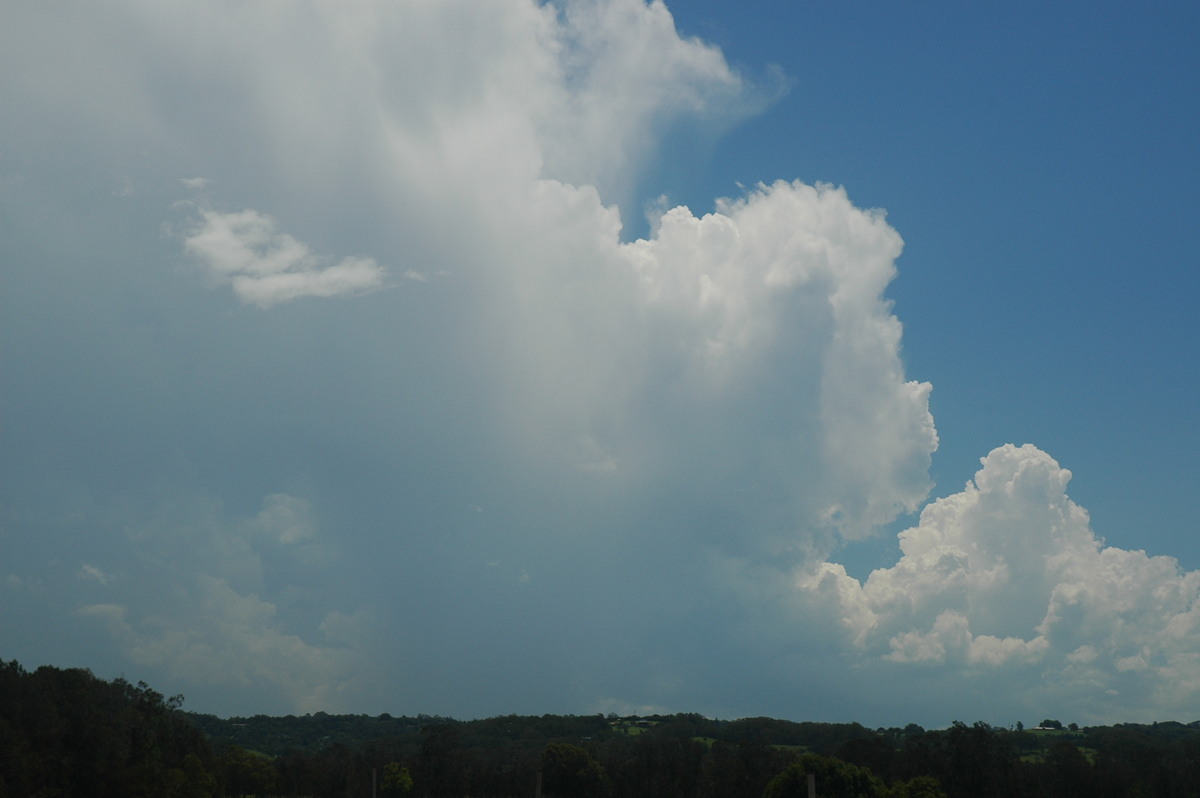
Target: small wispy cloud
92,572
265,266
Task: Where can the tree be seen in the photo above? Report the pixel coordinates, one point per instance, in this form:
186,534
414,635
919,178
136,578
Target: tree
396,779
246,773
876,754
834,779
739,771
65,732
440,771
190,780
569,771
975,760
918,787
1067,771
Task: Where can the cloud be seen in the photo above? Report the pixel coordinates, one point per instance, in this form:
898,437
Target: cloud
222,618
597,132
1007,579
287,519
92,572
229,640
265,266
484,144
784,288
673,435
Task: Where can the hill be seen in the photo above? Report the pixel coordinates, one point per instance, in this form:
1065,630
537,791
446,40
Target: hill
66,732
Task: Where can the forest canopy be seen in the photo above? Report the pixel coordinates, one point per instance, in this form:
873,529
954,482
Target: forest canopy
67,732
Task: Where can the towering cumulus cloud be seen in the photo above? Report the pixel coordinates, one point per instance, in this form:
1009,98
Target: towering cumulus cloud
1006,582
395,416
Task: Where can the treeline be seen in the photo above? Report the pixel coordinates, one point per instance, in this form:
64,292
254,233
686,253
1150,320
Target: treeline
65,732
689,756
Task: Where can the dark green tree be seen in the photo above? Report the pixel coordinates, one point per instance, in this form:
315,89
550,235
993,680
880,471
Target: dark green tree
974,760
245,773
917,787
439,765
834,779
570,772
875,753
1068,772
65,732
741,770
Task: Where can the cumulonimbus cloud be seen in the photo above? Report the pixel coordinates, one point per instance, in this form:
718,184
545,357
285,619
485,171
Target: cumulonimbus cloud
744,361
715,408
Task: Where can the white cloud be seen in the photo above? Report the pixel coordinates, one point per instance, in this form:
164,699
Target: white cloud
597,131
288,519
92,572
1007,575
17,582
732,383
219,585
229,639
705,414
788,282
265,266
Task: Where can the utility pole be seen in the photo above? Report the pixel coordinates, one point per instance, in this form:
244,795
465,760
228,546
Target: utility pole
812,785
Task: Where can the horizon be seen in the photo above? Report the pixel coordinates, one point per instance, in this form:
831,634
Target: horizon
1063,725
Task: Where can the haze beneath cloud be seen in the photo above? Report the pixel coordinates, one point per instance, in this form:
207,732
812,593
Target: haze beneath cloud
334,382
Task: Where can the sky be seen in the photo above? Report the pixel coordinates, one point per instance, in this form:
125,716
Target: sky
824,361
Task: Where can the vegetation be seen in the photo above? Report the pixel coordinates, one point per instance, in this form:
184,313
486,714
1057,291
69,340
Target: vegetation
65,732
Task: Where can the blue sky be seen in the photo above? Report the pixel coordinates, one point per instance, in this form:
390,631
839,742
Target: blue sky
829,361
